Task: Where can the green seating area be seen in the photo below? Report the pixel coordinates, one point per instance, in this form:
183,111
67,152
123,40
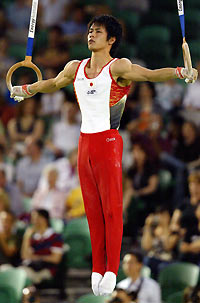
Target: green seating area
12,282
176,277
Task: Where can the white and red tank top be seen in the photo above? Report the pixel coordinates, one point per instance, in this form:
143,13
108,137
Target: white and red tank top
101,99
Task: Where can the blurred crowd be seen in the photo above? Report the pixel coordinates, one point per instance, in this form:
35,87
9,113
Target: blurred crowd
39,139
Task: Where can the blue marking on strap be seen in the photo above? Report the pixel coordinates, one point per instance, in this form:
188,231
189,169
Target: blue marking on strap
29,48
182,20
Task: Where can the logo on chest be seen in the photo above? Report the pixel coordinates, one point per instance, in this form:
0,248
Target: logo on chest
91,92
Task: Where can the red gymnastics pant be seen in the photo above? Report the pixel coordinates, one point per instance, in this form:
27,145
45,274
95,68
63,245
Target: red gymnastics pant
100,173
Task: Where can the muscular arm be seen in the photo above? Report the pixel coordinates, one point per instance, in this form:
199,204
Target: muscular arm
63,79
125,70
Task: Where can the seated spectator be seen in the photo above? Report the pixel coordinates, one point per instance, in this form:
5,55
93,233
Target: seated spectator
146,106
30,167
75,28
140,190
55,55
14,195
18,14
74,204
158,241
191,100
52,12
188,149
192,294
51,103
122,296
9,244
42,248
69,124
189,248
146,290
187,206
169,95
6,62
50,198
5,164
4,200
26,123
67,173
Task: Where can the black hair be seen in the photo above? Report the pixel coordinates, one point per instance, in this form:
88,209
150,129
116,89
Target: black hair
43,213
137,254
113,29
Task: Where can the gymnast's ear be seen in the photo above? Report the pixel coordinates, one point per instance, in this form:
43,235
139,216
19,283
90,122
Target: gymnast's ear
111,40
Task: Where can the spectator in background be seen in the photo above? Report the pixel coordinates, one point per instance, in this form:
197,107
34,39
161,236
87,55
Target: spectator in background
169,95
188,149
188,205
13,193
189,248
191,99
18,14
52,12
147,290
4,26
146,106
5,164
70,125
4,201
51,104
30,166
25,124
74,204
158,241
42,248
75,28
122,296
51,198
67,173
6,62
55,55
9,245
140,189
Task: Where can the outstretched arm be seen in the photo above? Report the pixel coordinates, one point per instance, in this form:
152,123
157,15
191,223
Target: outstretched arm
124,69
63,79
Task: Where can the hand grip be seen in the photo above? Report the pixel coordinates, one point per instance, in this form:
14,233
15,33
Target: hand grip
26,63
187,58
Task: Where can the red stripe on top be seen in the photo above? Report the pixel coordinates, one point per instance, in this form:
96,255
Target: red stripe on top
77,70
117,92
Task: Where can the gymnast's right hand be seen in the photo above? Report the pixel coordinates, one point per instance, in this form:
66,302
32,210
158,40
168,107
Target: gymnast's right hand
20,93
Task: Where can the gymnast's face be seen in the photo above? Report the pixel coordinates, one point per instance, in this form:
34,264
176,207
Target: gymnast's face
97,38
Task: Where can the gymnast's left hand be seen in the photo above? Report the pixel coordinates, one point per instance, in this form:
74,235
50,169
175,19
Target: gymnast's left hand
20,93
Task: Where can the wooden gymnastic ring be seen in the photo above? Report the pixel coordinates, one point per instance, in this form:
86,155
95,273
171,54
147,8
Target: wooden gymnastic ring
26,63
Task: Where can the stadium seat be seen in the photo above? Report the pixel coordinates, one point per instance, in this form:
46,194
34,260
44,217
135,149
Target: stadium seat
158,52
12,282
90,298
79,51
194,46
177,297
127,50
192,24
17,51
57,225
175,277
169,5
76,235
192,4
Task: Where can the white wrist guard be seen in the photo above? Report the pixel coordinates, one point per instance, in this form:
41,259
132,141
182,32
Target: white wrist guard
19,93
